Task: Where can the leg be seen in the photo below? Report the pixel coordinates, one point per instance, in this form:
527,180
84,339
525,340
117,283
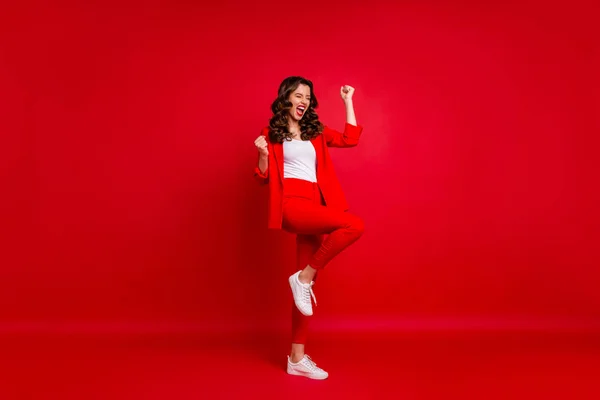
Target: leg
306,246
306,218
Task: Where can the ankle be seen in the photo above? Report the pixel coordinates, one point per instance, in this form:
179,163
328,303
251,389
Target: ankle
302,278
296,357
305,277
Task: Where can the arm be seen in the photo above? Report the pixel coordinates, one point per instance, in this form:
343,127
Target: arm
263,163
352,130
261,171
349,138
350,117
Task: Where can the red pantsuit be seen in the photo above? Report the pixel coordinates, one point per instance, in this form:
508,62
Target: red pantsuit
316,212
321,234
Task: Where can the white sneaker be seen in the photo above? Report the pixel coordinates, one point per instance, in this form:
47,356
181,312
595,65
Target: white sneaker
302,293
306,367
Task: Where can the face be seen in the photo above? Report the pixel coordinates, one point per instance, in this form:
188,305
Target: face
300,99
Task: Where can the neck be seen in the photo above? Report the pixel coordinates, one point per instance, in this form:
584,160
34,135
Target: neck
293,125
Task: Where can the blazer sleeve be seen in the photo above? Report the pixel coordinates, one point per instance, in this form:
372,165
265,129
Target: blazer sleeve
262,178
349,138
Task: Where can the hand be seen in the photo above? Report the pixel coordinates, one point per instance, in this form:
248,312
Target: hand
261,146
346,92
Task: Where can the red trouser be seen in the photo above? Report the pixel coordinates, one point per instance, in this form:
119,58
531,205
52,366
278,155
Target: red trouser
305,214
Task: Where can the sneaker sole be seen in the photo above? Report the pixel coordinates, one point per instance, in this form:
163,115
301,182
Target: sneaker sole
306,375
290,280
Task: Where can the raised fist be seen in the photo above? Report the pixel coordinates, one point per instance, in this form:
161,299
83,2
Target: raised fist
261,145
346,92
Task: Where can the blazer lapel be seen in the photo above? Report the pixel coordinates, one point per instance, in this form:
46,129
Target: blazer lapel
318,145
278,154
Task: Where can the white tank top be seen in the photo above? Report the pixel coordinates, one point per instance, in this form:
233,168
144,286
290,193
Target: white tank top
299,160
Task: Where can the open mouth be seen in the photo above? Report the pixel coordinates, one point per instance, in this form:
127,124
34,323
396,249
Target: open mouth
300,110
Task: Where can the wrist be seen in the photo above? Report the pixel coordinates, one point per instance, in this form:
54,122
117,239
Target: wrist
348,103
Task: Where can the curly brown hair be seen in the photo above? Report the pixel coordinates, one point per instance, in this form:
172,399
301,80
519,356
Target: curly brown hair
310,126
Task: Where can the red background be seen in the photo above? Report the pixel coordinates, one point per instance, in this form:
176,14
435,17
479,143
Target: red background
128,198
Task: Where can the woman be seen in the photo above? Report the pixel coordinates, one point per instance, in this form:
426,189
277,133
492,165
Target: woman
305,197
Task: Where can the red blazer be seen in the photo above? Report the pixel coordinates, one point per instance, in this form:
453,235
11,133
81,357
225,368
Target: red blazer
326,177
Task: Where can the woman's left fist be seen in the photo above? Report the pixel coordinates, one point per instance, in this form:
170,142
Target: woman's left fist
346,92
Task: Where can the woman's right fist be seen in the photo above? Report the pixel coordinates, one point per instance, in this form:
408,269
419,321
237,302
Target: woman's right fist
261,145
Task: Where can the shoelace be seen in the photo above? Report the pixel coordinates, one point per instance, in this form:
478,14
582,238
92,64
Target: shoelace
311,364
308,292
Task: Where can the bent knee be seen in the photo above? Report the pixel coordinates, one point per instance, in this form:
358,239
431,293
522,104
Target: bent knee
356,225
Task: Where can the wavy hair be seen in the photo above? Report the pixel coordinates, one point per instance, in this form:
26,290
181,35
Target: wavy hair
310,126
